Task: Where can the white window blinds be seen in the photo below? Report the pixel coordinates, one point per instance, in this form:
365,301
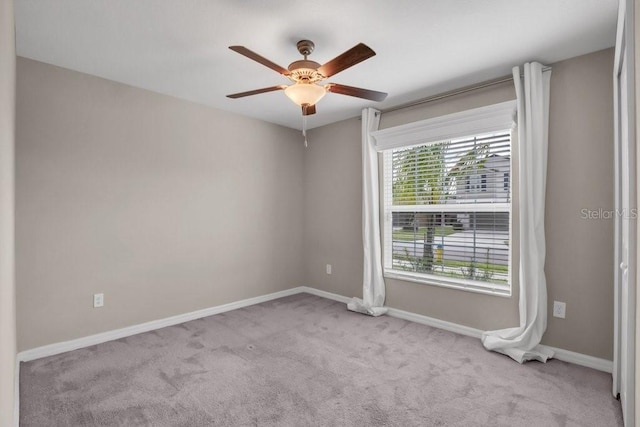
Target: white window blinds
448,212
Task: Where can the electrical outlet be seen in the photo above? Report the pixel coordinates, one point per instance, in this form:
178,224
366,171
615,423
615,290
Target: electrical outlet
328,268
98,300
559,309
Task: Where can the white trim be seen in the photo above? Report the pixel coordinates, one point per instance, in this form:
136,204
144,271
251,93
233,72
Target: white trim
486,288
436,323
592,362
453,207
53,349
470,122
61,347
324,294
596,363
617,225
580,359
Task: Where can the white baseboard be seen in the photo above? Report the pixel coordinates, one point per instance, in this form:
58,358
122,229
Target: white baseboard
57,348
596,363
324,294
603,365
436,323
401,314
52,349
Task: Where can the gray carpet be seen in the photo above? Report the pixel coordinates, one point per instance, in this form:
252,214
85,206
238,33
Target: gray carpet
307,361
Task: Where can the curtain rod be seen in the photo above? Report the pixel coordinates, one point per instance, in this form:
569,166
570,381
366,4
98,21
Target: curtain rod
465,89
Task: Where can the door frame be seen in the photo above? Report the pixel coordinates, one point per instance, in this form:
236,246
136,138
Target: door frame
625,198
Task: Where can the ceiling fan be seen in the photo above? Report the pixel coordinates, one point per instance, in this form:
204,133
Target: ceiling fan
306,74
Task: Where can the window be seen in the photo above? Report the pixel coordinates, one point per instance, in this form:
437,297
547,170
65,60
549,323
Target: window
447,211
476,182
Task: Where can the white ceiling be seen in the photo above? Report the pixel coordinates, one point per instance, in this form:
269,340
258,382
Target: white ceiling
179,47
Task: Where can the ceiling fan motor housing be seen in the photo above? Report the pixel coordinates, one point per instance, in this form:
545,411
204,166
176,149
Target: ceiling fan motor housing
305,71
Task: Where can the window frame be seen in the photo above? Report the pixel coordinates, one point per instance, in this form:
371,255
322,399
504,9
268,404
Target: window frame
493,118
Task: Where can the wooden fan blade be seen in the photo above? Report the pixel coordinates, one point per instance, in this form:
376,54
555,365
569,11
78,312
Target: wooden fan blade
348,59
260,59
256,91
355,91
307,110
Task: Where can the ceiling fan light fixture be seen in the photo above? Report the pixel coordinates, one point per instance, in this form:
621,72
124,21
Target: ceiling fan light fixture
305,93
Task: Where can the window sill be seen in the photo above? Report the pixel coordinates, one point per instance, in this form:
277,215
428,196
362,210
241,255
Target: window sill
460,284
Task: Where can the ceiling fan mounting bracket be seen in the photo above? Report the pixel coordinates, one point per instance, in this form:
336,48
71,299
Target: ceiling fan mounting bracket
305,47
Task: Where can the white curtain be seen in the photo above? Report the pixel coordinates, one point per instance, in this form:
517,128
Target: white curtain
373,292
522,343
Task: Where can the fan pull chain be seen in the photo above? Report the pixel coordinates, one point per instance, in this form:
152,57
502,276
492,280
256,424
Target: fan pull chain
304,130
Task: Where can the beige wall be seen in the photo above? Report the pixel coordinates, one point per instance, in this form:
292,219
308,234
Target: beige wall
168,207
333,208
163,205
580,175
7,260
